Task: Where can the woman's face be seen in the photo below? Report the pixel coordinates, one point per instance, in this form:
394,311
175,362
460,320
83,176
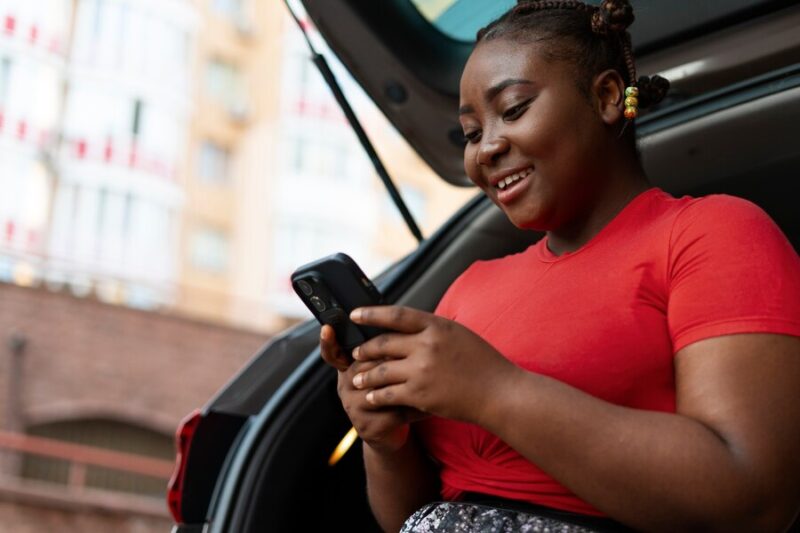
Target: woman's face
526,120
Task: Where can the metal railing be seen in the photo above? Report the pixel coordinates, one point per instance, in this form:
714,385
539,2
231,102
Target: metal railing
80,456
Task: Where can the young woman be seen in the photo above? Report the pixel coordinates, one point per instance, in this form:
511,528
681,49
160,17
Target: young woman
638,366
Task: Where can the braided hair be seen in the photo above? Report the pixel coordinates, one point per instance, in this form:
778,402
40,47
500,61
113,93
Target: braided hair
593,38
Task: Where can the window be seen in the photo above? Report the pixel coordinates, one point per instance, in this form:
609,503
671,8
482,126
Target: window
224,85
64,213
136,123
301,154
149,246
101,434
25,193
111,217
212,165
461,19
209,250
86,216
95,113
5,80
233,10
319,157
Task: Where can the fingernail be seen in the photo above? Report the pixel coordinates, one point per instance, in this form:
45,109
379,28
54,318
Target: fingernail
358,380
355,352
371,397
355,314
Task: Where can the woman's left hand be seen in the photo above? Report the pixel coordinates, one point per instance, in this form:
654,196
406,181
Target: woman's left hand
432,364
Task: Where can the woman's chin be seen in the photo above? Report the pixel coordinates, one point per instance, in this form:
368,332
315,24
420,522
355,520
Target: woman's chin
526,217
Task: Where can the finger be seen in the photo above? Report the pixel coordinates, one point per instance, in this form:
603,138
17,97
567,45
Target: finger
386,373
345,379
356,368
362,366
393,395
330,350
394,317
384,346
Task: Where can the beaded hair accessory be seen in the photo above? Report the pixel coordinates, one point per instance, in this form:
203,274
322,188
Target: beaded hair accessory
614,17
631,102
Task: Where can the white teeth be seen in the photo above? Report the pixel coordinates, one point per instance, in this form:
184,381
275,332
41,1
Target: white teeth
505,182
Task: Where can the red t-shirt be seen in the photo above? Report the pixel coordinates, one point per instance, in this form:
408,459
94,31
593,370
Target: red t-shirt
609,317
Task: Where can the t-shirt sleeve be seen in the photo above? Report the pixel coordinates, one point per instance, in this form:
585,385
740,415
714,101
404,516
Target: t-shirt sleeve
730,270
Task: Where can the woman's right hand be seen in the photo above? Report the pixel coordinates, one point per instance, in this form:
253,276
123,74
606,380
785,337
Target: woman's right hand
384,429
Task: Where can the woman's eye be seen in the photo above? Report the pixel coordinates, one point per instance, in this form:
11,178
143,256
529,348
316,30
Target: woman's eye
515,112
472,136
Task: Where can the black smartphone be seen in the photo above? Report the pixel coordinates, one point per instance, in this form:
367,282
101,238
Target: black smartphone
333,286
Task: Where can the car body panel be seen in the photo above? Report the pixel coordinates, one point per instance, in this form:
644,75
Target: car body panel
414,81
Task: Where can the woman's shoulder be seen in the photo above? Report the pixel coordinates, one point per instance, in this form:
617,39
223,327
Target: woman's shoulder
723,217
657,203
717,206
685,219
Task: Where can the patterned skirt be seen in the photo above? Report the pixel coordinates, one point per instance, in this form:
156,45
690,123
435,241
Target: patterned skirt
471,517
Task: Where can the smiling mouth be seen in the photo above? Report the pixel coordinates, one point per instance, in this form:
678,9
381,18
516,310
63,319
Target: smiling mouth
506,182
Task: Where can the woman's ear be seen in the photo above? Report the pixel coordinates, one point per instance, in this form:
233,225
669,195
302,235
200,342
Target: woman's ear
608,90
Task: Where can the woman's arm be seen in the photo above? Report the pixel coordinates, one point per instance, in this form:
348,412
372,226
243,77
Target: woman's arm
727,460
400,479
399,482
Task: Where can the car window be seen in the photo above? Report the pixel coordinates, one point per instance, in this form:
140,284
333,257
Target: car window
461,19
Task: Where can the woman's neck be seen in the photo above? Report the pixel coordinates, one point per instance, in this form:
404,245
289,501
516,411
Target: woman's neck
609,202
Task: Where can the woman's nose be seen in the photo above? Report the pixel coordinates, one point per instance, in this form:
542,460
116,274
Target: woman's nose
491,149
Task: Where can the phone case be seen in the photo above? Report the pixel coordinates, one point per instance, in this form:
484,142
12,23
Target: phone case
341,286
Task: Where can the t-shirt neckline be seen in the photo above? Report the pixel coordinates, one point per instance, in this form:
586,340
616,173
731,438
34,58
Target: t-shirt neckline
543,251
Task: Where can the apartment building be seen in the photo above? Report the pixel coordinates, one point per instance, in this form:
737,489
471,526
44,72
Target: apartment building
96,100
279,177
186,156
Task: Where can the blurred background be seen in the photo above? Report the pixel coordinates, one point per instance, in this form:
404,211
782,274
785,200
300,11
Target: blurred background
164,166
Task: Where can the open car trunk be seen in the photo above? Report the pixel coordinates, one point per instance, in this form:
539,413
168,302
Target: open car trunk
749,149
730,126
411,69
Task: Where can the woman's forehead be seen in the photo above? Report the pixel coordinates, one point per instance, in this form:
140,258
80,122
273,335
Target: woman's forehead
493,62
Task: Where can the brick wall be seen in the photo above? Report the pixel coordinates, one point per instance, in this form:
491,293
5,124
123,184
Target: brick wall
85,358
19,517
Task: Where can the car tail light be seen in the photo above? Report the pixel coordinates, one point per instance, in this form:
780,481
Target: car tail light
183,442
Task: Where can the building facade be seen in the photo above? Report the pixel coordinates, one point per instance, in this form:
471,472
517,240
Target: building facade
164,166
185,155
92,176
283,180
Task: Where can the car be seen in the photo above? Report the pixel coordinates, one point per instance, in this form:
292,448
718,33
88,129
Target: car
259,456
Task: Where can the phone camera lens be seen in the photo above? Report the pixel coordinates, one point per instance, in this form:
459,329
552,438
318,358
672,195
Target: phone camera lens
318,303
305,287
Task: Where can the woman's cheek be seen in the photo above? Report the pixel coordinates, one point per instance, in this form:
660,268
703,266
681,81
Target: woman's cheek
470,163
535,138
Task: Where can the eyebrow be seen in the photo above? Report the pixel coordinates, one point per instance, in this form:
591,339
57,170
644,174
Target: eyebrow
492,92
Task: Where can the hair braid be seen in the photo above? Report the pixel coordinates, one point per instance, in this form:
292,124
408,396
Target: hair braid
627,52
534,5
600,33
